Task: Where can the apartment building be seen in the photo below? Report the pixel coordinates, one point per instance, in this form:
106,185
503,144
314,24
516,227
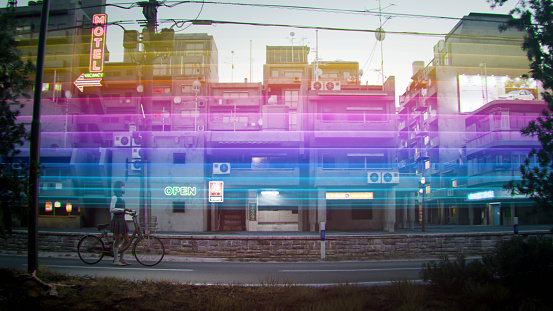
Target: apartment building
495,150
473,65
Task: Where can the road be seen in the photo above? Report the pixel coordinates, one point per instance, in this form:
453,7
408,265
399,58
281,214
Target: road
245,273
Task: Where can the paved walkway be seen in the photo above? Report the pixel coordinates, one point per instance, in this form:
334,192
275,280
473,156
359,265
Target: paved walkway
430,229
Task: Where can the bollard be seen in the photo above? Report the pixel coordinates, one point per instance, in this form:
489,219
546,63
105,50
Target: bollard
323,242
516,225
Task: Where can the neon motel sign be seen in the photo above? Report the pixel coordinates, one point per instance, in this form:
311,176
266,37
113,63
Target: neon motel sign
98,43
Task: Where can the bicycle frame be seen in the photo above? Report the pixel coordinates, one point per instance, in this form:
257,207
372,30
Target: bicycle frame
136,232
148,249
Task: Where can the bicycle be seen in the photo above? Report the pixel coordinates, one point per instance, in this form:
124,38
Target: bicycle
147,249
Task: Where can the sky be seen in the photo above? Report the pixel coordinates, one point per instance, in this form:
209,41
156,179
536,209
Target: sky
425,18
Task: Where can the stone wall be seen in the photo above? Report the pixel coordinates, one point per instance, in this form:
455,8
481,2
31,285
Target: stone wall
297,247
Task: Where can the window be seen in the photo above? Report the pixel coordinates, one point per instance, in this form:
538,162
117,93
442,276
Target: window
292,74
179,158
179,207
327,114
329,161
235,95
291,98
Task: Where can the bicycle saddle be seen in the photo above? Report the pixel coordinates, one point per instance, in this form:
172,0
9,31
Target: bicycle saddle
102,226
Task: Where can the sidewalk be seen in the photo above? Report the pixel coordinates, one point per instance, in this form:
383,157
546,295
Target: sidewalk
430,229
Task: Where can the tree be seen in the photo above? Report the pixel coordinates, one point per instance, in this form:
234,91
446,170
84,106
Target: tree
535,17
15,82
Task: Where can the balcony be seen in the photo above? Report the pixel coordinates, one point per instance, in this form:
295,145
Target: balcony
494,139
346,129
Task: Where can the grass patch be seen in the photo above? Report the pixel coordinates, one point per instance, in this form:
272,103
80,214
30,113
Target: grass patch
19,291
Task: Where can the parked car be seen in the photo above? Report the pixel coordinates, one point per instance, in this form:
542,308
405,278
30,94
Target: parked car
518,94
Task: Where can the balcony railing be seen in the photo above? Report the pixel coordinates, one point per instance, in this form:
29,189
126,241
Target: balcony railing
498,138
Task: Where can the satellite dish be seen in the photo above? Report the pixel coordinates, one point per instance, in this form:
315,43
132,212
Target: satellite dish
361,72
380,34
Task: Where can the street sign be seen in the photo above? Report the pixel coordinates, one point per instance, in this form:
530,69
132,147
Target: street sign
216,190
88,80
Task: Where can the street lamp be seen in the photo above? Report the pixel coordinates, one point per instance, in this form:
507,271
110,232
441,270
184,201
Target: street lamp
422,190
196,88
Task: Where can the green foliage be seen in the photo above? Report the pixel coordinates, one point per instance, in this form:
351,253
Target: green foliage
515,274
535,17
452,276
14,84
522,263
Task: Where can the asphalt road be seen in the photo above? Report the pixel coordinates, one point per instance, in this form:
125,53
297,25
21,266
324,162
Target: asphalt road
244,273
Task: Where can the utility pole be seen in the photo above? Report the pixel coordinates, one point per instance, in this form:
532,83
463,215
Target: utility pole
34,158
149,9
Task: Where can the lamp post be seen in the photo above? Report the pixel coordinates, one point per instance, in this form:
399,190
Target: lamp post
422,190
196,88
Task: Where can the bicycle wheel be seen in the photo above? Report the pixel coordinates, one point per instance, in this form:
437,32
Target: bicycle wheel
148,251
90,249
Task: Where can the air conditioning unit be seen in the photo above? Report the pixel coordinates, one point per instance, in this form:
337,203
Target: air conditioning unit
137,140
137,164
200,128
221,168
16,166
317,85
390,177
374,177
332,85
122,140
137,153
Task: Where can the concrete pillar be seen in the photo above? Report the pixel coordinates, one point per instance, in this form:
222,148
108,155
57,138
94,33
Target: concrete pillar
411,209
213,217
471,215
389,215
312,204
252,212
404,207
321,206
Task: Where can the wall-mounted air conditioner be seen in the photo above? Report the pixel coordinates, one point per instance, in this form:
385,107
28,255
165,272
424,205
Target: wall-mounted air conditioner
326,85
390,177
137,164
137,140
200,128
122,140
221,168
332,85
317,85
374,177
137,153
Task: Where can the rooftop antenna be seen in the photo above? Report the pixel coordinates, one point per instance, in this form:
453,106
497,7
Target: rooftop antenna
317,55
292,34
380,36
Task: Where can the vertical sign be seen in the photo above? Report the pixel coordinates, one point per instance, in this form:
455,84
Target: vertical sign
216,190
97,42
252,211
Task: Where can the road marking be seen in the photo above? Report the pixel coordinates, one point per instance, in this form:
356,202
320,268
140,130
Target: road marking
349,270
119,268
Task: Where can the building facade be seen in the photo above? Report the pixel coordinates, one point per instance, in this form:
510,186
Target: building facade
474,65
308,145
